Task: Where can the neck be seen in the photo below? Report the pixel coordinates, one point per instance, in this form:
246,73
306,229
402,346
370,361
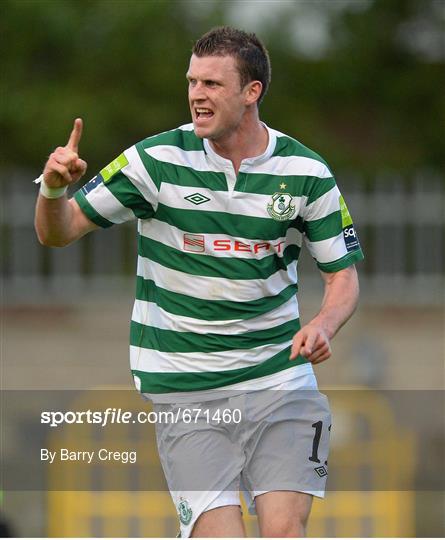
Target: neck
250,139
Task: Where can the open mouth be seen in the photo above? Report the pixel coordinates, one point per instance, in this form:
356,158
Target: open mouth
202,112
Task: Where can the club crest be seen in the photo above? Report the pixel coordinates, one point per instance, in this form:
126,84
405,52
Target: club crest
281,207
185,512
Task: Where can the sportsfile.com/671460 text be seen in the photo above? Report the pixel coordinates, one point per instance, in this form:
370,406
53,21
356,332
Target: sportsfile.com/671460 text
113,415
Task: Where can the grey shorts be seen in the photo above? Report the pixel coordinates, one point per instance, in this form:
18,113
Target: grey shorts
266,440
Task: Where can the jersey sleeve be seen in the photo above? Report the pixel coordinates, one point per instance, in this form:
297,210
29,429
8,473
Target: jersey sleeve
328,228
125,189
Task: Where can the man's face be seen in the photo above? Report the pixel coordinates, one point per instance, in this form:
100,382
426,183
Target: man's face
217,102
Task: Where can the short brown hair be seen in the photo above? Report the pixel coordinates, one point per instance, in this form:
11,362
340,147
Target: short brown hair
251,55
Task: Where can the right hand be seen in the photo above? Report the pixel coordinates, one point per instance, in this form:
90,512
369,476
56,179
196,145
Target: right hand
64,166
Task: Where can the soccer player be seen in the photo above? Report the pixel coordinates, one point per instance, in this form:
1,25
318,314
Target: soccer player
223,205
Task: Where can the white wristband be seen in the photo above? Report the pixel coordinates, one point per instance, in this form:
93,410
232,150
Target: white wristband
50,192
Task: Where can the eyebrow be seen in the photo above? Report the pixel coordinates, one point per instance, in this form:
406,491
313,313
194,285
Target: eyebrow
188,76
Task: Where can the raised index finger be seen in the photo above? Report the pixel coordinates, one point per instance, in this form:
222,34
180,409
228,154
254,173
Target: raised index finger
73,142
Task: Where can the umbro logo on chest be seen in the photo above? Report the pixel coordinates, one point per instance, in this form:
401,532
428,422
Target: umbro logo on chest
197,198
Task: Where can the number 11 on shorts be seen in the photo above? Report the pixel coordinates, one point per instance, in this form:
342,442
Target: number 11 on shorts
318,426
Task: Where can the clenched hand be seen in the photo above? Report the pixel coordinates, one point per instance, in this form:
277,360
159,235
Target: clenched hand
312,342
64,166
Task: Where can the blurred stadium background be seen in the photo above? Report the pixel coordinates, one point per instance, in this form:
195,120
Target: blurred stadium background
356,80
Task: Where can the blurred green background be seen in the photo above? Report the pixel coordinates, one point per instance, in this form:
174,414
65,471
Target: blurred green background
360,82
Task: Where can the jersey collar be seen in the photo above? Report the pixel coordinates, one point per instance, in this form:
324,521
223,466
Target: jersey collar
245,163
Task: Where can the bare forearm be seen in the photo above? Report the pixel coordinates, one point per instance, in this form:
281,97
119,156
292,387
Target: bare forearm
339,302
53,221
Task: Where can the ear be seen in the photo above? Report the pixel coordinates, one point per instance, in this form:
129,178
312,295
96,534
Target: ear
253,92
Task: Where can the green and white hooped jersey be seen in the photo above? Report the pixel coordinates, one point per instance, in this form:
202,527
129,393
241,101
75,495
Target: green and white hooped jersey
217,254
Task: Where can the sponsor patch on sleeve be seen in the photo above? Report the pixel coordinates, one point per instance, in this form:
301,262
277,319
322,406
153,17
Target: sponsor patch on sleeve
114,167
349,234
89,186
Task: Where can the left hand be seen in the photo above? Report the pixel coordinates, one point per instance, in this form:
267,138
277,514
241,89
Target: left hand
312,342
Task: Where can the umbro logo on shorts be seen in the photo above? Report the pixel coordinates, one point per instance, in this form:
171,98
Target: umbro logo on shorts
321,471
197,198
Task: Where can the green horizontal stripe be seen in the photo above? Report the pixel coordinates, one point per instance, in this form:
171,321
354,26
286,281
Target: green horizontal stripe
287,146
186,176
324,228
282,146
296,185
260,184
209,310
316,187
265,184
159,383
90,212
150,337
210,266
290,254
129,196
344,262
313,187
201,222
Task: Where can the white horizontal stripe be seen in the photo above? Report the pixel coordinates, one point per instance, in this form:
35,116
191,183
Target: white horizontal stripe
139,176
217,245
150,314
196,159
329,250
238,203
290,166
212,288
106,204
186,127
323,206
294,378
161,362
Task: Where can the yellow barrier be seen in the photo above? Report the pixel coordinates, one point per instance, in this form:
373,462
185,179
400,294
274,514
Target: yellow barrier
368,453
